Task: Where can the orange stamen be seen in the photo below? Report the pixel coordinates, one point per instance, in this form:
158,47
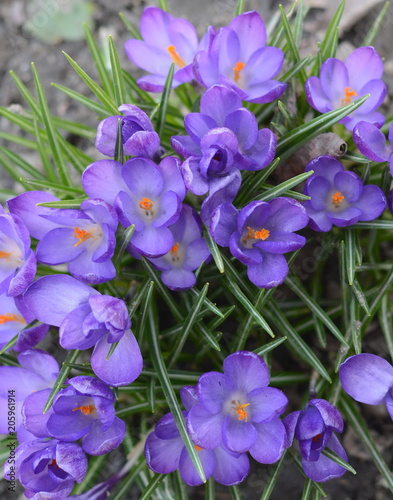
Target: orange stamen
85,409
5,255
81,235
237,69
348,94
337,198
4,318
242,412
317,438
146,204
198,448
262,234
176,57
175,249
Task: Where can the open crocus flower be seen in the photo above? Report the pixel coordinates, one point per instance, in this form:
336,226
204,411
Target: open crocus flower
338,197
340,83
314,428
144,194
166,40
138,135
17,261
84,410
372,142
48,469
238,57
86,319
368,378
165,452
85,238
186,255
238,409
259,235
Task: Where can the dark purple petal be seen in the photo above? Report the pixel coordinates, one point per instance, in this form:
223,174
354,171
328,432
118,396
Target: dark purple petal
34,419
30,337
290,423
324,469
248,256
71,334
69,427
319,220
318,188
178,279
223,223
271,272
187,469
246,370
193,178
169,210
372,202
166,427
309,424
279,242
316,96
24,276
244,125
111,311
238,435
188,395
204,428
197,125
286,215
370,141
266,404
325,166
262,152
330,415
142,143
345,217
213,390
270,443
265,91
99,442
163,455
218,102
185,146
230,469
92,386
72,460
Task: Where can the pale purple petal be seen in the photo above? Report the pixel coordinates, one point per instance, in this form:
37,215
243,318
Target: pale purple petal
85,269
264,65
270,443
230,469
318,188
316,96
372,202
187,469
204,428
244,125
34,419
163,455
197,125
193,178
223,223
250,29
218,102
153,59
213,389
153,242
143,177
72,460
349,184
265,91
58,246
266,404
271,272
99,442
364,64
238,435
142,143
370,141
178,279
334,79
24,276
246,370
279,242
102,179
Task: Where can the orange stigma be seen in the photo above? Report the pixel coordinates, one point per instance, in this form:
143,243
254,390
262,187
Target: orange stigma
243,415
176,58
317,438
198,448
237,69
4,318
348,95
262,234
85,409
146,204
5,255
81,235
337,198
175,249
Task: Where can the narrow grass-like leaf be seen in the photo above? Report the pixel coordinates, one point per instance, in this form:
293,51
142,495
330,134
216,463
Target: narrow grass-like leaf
125,240
285,113
272,479
45,185
208,337
85,101
331,33
119,155
72,356
315,308
291,44
210,490
96,55
131,28
253,181
307,489
187,326
21,122
336,458
206,302
216,322
62,203
100,93
275,39
350,156
376,26
350,254
138,297
125,487
181,486
144,96
22,141
284,187
288,144
360,297
352,415
270,346
215,251
295,341
160,368
164,101
62,169
145,310
117,74
27,96
385,321
93,472
163,5
13,341
151,397
240,7
376,224
9,360
10,168
235,492
382,290
75,128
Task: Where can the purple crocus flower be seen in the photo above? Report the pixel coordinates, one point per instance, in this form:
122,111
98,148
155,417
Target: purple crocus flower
144,194
186,255
259,235
165,452
342,82
138,135
85,238
238,57
48,469
86,319
238,410
38,370
166,40
338,197
368,378
314,428
14,317
372,142
84,410
17,261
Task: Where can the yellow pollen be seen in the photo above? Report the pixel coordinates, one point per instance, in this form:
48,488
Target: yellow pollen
175,249
5,255
237,69
146,204
242,412
337,198
85,409
262,234
176,57
4,318
198,448
348,94
81,235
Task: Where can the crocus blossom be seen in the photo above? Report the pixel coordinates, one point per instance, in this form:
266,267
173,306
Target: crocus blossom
147,195
86,319
368,378
260,234
372,142
238,57
338,197
84,410
138,135
238,410
186,255
340,83
314,429
17,261
166,40
48,469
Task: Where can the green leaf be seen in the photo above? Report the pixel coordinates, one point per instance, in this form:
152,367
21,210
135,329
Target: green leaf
235,492
210,490
145,310
163,5
10,168
360,297
45,185
284,187
269,347
350,254
292,141
131,28
85,101
375,224
119,155
72,356
125,240
138,297
62,203
164,101
215,251
206,302
252,183
117,74
13,341
160,369
338,460
125,486
292,46
240,7
272,479
96,55
385,321
307,489
144,96
376,26
330,39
